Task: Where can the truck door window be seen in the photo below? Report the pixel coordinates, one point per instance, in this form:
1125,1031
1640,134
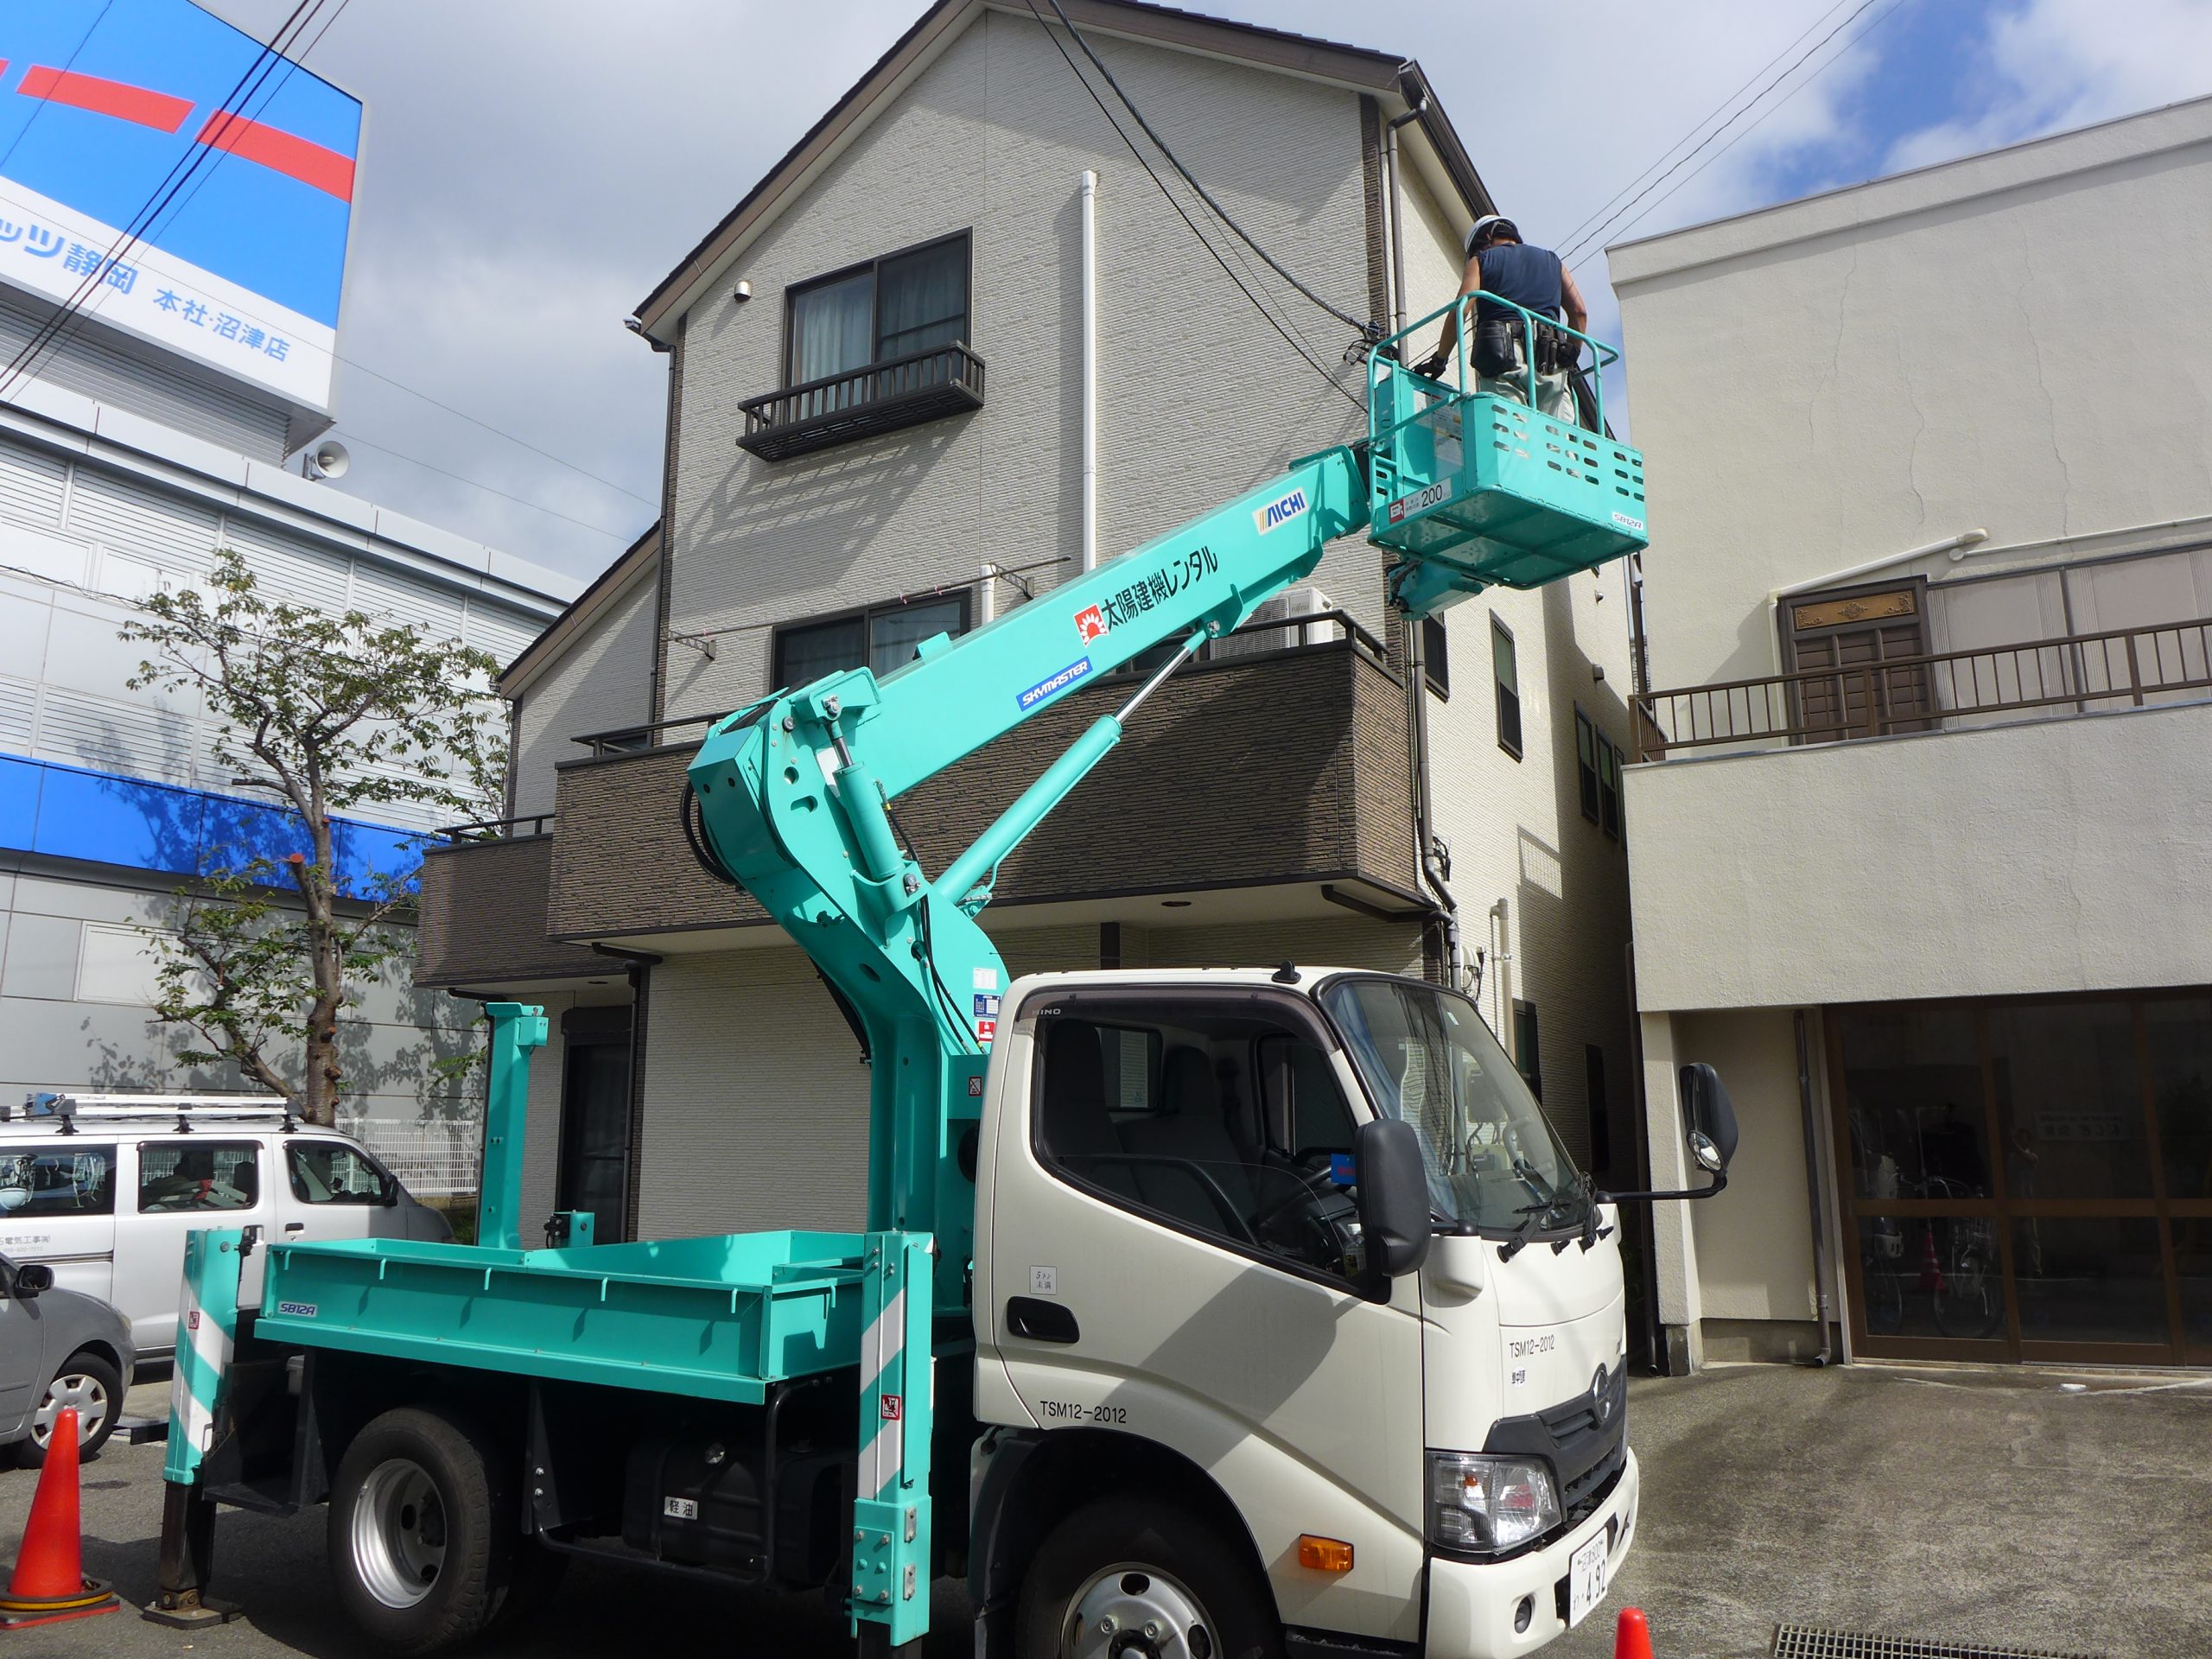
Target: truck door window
176,1176
1153,1107
71,1179
330,1172
1305,1107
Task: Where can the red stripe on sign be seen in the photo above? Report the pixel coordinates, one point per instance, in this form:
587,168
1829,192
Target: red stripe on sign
148,109
286,153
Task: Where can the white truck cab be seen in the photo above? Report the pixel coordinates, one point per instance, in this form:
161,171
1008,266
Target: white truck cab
1172,1277
103,1187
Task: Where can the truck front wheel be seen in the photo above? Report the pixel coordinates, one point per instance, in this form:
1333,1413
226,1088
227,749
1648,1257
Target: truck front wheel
423,1531
1129,1576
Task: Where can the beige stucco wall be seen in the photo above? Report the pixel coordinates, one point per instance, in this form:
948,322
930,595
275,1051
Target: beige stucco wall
601,682
2007,342
2066,854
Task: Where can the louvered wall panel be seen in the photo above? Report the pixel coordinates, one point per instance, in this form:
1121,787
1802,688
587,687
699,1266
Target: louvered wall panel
379,595
497,633
93,366
292,570
18,714
177,534
111,736
31,487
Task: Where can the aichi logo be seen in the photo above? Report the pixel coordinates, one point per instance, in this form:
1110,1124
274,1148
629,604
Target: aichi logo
1089,623
1281,510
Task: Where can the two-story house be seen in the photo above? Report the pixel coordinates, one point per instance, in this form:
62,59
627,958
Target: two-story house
1922,804
956,346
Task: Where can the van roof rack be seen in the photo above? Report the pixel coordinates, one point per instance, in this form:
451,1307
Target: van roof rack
65,1110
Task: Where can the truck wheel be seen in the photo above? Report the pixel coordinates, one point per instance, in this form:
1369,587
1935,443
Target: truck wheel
424,1531
92,1386
1134,1577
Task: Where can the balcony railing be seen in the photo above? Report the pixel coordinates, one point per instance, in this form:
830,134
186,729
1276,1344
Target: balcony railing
861,402
535,824
2083,673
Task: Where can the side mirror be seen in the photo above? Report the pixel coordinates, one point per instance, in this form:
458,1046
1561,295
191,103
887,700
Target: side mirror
31,1277
1709,1119
1393,1196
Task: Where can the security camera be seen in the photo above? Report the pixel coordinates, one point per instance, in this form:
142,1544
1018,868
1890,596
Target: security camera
740,293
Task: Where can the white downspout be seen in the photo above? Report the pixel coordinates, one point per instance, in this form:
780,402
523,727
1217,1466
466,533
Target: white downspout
1089,193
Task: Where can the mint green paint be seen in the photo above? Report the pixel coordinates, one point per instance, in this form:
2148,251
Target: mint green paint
890,1520
207,1326
977,868
516,1030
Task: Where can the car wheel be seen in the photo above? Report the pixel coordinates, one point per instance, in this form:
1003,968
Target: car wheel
94,1387
1131,1575
422,1530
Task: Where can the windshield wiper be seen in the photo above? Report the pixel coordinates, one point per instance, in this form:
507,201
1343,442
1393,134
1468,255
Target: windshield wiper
1519,1240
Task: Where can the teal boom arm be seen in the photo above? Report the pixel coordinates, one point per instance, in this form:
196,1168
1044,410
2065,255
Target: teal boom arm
794,796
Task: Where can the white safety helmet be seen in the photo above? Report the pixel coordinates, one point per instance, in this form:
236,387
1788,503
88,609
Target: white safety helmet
1489,222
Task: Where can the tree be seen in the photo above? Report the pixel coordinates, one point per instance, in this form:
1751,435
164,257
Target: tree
328,717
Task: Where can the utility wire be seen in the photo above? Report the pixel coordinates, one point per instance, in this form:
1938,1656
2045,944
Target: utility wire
1295,344
180,172
475,484
1697,126
1590,240
1756,125
1367,328
68,64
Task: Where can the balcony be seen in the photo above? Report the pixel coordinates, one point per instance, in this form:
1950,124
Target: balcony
864,403
1272,775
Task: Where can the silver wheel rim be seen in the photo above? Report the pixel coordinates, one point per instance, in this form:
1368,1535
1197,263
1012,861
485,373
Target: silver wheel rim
1134,1611
398,1533
78,1389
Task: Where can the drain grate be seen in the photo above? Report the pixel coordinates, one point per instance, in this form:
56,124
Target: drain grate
1803,1642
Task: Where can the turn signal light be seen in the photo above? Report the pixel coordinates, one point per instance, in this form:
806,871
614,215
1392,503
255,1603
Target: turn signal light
1324,1554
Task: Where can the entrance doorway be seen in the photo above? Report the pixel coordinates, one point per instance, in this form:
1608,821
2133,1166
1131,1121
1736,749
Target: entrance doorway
593,1165
2028,1178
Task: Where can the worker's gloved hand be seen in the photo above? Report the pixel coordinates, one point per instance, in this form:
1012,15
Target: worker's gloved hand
1432,366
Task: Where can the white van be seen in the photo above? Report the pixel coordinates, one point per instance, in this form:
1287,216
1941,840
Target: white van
103,1188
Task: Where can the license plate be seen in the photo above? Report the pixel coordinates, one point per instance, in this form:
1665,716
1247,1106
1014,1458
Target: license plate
1586,1580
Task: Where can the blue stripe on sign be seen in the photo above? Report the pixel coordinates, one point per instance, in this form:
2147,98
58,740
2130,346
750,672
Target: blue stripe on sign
1052,684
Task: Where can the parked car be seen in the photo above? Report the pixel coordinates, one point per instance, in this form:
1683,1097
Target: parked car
103,1189
58,1348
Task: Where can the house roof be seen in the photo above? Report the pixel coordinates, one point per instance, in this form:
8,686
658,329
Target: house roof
637,561
1390,79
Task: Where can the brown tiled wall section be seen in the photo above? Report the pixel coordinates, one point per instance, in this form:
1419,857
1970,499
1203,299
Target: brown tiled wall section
484,916
1287,767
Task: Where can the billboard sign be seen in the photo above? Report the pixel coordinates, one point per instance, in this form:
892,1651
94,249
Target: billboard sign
104,104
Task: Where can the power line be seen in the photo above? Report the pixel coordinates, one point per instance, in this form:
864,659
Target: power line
46,98
476,483
1885,17
1590,238
1294,344
180,172
1366,327
1697,126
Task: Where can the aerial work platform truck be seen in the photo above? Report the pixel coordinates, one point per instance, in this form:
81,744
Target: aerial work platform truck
1204,1312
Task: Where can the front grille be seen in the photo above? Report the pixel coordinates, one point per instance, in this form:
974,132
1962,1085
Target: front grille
1803,1642
1580,1498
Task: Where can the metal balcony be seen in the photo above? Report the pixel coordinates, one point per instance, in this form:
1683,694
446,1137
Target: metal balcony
863,403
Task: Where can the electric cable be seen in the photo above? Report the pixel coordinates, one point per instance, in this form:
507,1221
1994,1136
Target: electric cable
1589,240
67,64
489,489
1697,126
1367,328
180,172
1289,338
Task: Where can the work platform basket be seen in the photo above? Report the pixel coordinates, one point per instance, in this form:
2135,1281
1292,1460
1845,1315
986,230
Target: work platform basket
1471,476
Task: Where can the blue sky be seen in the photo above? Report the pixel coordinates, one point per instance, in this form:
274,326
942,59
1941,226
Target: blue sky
526,182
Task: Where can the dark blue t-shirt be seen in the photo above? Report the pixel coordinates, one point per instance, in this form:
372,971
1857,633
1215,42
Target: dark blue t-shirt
1524,275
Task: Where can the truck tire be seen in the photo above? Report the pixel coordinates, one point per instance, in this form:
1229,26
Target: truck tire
1138,1562
424,1531
94,1387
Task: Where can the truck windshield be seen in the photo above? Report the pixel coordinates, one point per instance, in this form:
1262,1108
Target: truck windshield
1428,1058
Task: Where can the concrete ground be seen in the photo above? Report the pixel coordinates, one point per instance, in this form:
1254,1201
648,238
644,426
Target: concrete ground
2070,1512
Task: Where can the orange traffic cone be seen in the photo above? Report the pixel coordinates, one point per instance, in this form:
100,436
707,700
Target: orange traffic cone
1632,1635
49,1583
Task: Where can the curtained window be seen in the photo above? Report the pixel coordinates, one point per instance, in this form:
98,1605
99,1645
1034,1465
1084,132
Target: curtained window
889,309
883,637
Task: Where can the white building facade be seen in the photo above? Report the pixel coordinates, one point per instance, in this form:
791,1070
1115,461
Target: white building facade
1923,797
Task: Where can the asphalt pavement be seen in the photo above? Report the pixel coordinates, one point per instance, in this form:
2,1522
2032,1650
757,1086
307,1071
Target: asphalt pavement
2063,1512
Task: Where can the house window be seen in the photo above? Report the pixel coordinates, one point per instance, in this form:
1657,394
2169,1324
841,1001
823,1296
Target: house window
1506,667
1609,788
1598,763
1527,1058
881,637
891,308
1593,1077
1585,763
1436,656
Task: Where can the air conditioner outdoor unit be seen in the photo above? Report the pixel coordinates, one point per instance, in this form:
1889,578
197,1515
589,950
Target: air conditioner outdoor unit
1257,635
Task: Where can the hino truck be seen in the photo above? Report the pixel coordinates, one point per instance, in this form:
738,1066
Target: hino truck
1221,1313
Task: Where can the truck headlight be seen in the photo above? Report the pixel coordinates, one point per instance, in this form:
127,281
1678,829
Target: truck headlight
1488,1503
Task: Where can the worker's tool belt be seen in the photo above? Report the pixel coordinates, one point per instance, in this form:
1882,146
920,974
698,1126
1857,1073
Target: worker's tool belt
1497,347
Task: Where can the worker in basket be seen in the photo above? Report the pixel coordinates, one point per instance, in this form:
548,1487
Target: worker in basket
1499,264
